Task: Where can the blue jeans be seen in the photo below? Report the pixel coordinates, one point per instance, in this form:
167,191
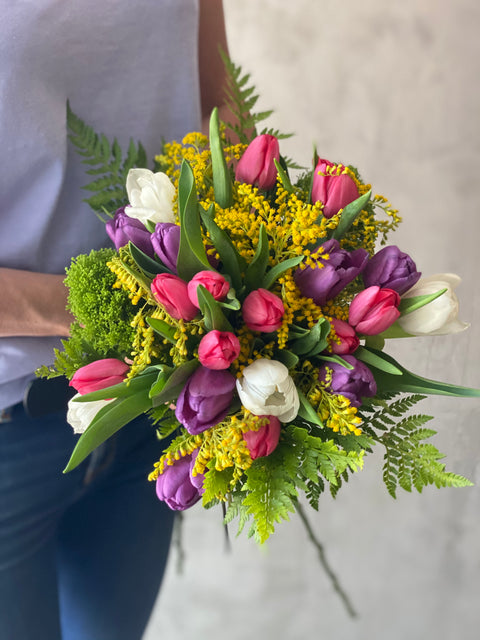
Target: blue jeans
81,554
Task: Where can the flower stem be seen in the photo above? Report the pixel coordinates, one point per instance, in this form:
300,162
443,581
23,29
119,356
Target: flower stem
324,562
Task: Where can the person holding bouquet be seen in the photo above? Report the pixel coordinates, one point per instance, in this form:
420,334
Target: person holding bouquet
81,555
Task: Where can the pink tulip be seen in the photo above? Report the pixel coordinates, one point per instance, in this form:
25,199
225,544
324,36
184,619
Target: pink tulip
335,191
373,310
213,282
99,375
346,334
263,311
256,166
264,441
218,349
171,292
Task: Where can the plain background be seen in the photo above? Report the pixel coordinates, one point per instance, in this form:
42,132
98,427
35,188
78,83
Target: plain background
392,88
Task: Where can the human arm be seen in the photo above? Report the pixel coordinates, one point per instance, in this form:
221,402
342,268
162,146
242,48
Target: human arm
212,37
33,304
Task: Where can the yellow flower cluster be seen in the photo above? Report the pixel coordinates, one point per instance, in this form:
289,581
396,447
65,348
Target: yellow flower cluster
221,448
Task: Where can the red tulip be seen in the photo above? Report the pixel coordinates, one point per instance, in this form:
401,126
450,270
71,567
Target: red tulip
349,340
256,166
218,349
335,191
171,292
264,441
373,310
263,311
99,375
213,282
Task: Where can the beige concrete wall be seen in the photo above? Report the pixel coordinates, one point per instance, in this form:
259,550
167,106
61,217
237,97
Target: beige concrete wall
393,88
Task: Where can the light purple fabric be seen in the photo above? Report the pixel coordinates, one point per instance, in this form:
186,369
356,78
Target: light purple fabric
129,69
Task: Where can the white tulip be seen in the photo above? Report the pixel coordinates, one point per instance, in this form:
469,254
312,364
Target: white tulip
438,317
150,195
267,389
81,414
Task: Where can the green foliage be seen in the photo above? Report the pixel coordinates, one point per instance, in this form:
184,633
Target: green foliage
107,164
103,315
271,491
409,461
241,98
301,462
216,483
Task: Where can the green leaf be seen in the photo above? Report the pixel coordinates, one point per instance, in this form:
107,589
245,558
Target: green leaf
335,358
410,382
175,383
162,328
287,185
349,213
107,422
122,389
276,271
216,483
394,331
222,182
307,412
288,358
232,262
314,341
191,255
231,301
149,266
376,359
375,342
159,384
407,305
256,269
214,317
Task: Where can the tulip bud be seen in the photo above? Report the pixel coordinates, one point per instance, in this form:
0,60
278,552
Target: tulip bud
266,388
166,242
391,268
175,485
205,399
335,191
438,317
348,340
122,229
213,282
352,383
81,414
262,442
256,166
263,311
99,375
333,274
373,310
150,195
170,291
218,349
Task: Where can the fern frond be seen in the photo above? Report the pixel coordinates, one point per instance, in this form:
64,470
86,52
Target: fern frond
106,162
241,98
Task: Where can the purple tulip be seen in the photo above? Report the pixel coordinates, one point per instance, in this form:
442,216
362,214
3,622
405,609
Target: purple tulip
352,383
324,283
392,269
205,399
166,242
177,488
122,229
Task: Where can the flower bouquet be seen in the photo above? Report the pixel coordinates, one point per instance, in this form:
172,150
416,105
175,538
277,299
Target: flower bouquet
246,313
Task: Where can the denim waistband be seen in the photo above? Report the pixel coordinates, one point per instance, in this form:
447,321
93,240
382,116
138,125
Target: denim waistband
41,398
